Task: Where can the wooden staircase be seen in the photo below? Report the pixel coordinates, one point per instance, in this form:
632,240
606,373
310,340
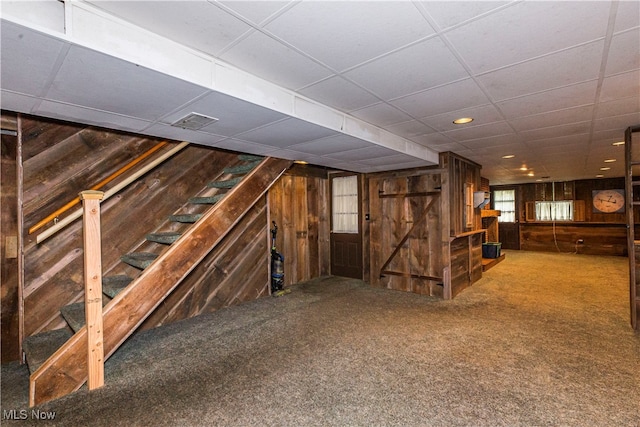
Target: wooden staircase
58,360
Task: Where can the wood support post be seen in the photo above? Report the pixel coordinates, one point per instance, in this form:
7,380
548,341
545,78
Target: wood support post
93,286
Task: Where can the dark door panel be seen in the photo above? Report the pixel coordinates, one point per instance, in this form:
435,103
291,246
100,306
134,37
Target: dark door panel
346,255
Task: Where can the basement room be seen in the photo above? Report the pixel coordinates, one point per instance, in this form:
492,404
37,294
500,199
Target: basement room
320,213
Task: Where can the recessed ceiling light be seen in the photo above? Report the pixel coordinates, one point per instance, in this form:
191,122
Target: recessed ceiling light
618,143
599,176
508,156
523,168
463,120
530,173
610,160
605,168
300,162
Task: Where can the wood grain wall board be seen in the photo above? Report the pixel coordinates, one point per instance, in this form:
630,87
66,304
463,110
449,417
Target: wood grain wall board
301,221
71,166
224,266
395,225
324,226
10,303
40,134
603,239
312,220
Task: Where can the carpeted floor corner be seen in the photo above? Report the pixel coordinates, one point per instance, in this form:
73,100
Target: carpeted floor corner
542,340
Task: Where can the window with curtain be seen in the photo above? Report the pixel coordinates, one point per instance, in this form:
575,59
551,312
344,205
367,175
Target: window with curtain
554,211
505,202
344,204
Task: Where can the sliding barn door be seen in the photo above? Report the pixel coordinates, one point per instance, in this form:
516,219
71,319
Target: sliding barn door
346,233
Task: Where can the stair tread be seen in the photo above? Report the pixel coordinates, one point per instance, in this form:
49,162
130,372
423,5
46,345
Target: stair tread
112,285
139,260
250,157
206,200
38,348
241,169
74,314
225,184
166,237
186,218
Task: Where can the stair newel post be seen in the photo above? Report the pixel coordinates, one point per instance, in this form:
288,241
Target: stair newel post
93,286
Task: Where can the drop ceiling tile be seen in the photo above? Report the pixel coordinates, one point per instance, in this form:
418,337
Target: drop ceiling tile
557,131
186,22
179,134
94,80
255,11
331,145
432,139
412,69
43,14
491,130
234,115
451,97
410,129
552,118
448,14
564,140
628,15
624,52
344,33
620,86
482,114
552,71
76,113
398,166
505,142
618,107
339,93
381,114
245,147
27,73
271,60
617,122
527,30
286,133
566,97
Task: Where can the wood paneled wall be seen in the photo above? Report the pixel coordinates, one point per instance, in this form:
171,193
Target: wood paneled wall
9,253
601,233
461,171
299,205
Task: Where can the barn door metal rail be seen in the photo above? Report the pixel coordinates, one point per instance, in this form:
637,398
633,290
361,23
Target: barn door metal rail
435,196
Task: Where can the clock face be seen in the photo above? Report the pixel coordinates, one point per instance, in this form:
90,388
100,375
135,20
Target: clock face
608,201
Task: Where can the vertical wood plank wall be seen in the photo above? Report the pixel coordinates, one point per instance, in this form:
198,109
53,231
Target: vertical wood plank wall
299,206
9,311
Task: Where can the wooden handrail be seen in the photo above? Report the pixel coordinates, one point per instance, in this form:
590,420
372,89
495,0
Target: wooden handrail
98,186
110,192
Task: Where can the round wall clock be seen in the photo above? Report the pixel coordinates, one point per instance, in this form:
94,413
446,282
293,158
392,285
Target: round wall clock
608,201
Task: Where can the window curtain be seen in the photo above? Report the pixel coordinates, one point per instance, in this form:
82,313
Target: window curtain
344,204
554,211
505,202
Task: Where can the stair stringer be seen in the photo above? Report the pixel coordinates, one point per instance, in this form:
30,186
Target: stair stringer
66,370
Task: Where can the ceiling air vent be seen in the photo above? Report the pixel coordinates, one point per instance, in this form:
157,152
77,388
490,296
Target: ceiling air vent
194,121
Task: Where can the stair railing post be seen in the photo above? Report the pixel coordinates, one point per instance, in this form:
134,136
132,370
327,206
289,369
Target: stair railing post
93,286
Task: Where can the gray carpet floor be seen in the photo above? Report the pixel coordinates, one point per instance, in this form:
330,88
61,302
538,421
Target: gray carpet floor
541,340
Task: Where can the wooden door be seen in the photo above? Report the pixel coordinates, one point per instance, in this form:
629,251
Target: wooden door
346,229
505,199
